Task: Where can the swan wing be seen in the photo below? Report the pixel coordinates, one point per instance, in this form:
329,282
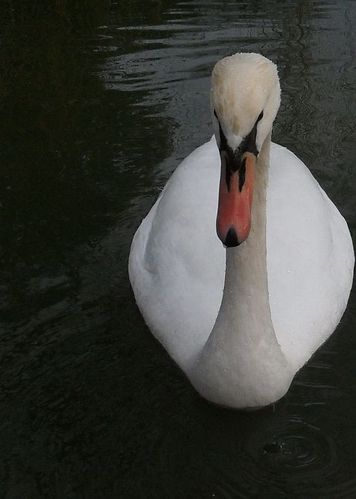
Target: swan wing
177,263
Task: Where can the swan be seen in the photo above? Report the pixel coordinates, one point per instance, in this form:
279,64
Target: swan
243,266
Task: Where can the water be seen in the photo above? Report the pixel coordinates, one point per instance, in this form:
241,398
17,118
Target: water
98,105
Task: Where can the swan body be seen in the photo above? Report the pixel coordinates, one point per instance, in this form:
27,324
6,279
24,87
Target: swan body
241,321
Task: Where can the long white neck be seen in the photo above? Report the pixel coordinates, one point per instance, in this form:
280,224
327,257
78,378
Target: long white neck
242,364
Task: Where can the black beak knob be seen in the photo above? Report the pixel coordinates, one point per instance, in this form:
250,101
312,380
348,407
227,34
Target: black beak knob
231,238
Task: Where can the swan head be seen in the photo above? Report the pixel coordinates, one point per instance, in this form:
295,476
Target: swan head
245,97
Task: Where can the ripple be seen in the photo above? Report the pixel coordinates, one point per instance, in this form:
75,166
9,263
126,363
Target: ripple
287,455
293,446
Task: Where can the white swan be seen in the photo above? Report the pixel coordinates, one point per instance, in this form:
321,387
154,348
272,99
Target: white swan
241,340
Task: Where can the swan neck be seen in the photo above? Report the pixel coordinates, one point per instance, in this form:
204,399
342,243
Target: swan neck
241,363
245,303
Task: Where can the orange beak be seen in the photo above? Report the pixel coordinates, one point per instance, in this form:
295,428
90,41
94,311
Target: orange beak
233,221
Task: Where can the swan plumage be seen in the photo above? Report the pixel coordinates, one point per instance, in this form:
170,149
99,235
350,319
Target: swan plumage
177,266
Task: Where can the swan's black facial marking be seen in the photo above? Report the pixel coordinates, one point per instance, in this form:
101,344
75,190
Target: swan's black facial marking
233,159
242,174
223,142
248,144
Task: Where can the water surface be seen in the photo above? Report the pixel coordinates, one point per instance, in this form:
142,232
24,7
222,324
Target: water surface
99,103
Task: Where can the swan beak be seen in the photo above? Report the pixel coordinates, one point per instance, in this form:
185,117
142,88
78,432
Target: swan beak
233,221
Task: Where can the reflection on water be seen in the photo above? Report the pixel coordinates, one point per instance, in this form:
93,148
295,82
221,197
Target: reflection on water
99,103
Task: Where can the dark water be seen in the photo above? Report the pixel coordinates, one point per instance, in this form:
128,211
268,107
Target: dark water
99,101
